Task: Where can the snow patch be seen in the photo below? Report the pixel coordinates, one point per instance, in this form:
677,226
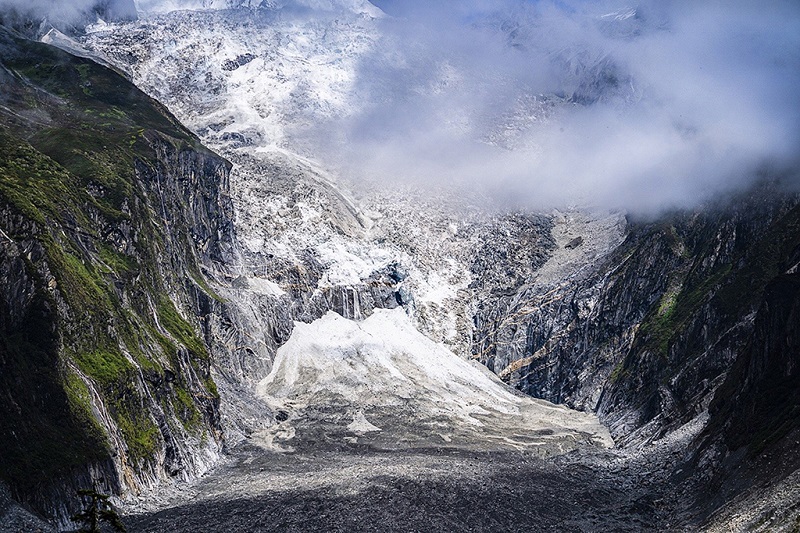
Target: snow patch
378,360
384,366
348,265
361,425
265,286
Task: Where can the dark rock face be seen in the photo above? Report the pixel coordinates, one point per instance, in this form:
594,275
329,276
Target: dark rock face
754,418
110,212
693,319
238,61
646,338
687,343
759,402
501,271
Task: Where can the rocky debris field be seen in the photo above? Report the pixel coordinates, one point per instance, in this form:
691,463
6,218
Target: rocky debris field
435,489
328,483
15,519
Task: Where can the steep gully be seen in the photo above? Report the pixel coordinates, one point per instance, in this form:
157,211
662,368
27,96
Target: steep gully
642,330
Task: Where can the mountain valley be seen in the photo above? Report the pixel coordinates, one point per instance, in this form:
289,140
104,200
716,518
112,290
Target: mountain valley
208,314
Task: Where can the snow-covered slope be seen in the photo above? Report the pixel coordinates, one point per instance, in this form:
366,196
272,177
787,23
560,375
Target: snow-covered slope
321,77
165,6
253,83
380,381
245,77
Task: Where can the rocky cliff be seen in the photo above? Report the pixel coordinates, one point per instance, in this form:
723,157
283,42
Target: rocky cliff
645,336
682,338
748,450
110,213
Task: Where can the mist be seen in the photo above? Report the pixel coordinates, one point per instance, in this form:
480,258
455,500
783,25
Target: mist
65,13
643,107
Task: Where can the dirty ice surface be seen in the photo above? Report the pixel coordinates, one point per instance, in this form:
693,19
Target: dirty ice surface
380,383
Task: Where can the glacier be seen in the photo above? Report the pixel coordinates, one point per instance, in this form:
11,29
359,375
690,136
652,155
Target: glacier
386,377
251,82
348,285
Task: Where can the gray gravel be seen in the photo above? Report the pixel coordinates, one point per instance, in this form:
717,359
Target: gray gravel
417,490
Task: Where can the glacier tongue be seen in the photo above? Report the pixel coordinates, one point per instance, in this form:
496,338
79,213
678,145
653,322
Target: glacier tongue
250,83
381,383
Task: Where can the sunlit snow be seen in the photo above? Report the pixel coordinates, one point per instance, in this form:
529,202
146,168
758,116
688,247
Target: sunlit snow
387,375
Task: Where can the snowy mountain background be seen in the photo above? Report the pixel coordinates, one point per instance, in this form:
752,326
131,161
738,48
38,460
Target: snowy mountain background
421,185
368,143
265,87
495,96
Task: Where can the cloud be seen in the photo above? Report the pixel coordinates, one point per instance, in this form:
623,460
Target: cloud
646,106
65,13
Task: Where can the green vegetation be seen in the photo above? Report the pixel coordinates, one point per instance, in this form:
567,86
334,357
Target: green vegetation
211,387
662,324
79,282
106,368
200,281
98,510
677,306
668,301
32,182
119,264
140,433
618,373
80,405
173,322
185,408
70,171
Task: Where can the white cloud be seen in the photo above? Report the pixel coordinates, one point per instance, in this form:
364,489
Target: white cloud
67,12
646,107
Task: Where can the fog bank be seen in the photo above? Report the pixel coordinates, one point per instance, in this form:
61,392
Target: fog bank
646,106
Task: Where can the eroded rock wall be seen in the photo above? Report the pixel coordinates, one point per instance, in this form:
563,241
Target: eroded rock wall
646,335
110,212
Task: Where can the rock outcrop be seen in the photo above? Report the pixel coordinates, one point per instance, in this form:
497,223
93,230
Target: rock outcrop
683,334
648,334
110,213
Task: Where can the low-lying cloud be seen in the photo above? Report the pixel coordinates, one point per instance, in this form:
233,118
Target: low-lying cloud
649,106
539,103
66,13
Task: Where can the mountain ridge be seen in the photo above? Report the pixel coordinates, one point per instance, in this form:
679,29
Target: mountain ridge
229,271
100,290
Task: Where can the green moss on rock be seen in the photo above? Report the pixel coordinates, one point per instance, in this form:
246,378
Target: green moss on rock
106,367
180,329
74,174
